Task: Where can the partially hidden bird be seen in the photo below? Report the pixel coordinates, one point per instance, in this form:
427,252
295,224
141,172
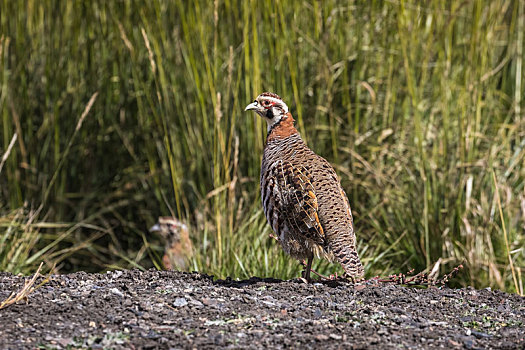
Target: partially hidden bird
302,196
177,243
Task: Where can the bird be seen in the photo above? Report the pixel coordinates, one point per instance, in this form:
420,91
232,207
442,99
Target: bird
178,247
302,196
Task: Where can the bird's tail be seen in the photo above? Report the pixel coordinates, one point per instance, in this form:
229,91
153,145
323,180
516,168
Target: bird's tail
345,253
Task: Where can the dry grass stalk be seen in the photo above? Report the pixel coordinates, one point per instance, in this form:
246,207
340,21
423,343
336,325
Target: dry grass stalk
9,148
28,288
511,264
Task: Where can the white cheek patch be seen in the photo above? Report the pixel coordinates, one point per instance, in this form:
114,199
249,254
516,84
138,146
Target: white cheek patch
273,121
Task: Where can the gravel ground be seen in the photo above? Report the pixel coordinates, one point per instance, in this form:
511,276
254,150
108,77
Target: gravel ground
166,309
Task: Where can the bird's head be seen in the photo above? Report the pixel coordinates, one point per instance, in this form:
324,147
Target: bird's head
269,106
169,228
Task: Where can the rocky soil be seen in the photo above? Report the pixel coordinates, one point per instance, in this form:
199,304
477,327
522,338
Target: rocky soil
164,309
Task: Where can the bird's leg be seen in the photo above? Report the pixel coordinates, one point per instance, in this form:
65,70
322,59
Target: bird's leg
322,277
308,268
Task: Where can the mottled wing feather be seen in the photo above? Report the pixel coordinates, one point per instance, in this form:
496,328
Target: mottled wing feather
298,201
349,211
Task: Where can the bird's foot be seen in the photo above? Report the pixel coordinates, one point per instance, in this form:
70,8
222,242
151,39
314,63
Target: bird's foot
301,280
274,237
333,277
304,280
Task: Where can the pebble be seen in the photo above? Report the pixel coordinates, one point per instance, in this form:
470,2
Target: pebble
116,292
180,302
245,314
480,334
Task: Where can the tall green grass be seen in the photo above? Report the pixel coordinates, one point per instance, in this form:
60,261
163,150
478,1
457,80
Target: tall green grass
419,108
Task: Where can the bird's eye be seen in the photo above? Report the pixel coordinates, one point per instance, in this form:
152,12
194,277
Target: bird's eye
266,103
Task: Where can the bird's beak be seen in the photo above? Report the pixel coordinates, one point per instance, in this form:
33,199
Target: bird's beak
251,107
154,228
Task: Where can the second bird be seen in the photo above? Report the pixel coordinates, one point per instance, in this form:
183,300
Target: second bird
302,196
178,248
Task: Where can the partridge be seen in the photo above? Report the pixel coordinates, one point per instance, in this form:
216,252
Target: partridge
178,247
302,196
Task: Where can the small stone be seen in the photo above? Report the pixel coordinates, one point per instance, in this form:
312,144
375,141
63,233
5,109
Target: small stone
468,343
480,334
454,343
382,331
209,301
116,292
64,341
195,302
180,302
397,310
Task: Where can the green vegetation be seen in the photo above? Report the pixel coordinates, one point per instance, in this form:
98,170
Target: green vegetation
127,110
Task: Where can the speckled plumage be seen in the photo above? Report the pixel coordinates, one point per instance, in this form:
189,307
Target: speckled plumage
303,200
178,247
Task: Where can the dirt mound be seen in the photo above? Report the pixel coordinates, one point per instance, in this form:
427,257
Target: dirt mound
161,309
